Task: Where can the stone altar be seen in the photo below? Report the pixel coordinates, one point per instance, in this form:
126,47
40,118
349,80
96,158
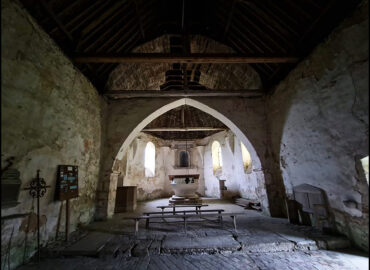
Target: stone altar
184,187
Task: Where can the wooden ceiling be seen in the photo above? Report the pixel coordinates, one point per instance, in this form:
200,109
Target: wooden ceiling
253,28
184,123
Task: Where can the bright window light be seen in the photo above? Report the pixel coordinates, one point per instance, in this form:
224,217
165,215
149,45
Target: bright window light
216,156
365,166
149,163
247,162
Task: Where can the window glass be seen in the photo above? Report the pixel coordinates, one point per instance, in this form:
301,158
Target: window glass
149,163
216,156
184,159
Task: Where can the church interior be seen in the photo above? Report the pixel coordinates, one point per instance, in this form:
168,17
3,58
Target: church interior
184,134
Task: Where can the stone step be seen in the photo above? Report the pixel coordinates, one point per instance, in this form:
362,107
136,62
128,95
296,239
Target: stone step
259,243
90,245
332,242
193,245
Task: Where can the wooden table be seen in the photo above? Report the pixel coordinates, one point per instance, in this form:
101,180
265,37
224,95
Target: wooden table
197,206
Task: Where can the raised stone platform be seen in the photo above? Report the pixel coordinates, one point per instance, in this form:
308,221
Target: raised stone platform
184,200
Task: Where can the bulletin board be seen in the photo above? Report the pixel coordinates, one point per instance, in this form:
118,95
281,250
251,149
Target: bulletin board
67,182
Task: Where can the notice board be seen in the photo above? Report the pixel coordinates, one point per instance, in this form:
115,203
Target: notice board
67,182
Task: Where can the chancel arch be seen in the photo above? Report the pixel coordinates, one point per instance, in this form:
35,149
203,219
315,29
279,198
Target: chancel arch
240,135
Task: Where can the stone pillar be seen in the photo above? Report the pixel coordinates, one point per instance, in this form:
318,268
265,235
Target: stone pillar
112,189
106,197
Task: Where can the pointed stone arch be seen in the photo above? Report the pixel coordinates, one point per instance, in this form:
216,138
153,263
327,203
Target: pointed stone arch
200,106
116,149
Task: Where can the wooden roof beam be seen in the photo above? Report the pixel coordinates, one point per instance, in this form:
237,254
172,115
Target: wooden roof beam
230,16
183,129
247,93
140,20
191,58
56,20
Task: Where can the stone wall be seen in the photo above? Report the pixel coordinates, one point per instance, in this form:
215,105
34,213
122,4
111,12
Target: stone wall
149,76
132,173
249,184
50,116
319,127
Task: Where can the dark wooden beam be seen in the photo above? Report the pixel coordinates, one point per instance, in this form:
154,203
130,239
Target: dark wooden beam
56,20
283,70
140,20
118,94
183,129
277,20
265,36
278,33
87,15
192,58
230,16
98,24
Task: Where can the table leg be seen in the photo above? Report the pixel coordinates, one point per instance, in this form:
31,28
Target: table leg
174,212
219,217
147,223
162,210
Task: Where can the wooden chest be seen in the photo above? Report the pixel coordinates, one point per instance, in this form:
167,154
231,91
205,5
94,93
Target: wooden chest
126,199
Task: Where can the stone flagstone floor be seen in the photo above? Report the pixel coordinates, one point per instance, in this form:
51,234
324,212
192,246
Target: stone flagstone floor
260,242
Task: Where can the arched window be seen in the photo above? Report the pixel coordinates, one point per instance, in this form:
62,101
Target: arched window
247,162
184,159
149,162
216,156
365,166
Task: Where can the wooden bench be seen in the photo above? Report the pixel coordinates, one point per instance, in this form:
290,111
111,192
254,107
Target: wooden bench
183,212
186,218
197,206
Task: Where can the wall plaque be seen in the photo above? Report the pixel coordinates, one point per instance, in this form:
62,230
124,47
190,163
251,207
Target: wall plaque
67,182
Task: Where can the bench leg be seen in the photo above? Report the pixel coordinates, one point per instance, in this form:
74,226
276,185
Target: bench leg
185,225
174,212
136,226
162,210
234,220
219,217
147,224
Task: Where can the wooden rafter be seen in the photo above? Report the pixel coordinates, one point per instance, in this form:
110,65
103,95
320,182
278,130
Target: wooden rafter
183,129
139,18
252,28
87,15
230,16
117,94
56,20
191,58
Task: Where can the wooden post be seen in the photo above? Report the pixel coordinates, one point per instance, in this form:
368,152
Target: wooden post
67,219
